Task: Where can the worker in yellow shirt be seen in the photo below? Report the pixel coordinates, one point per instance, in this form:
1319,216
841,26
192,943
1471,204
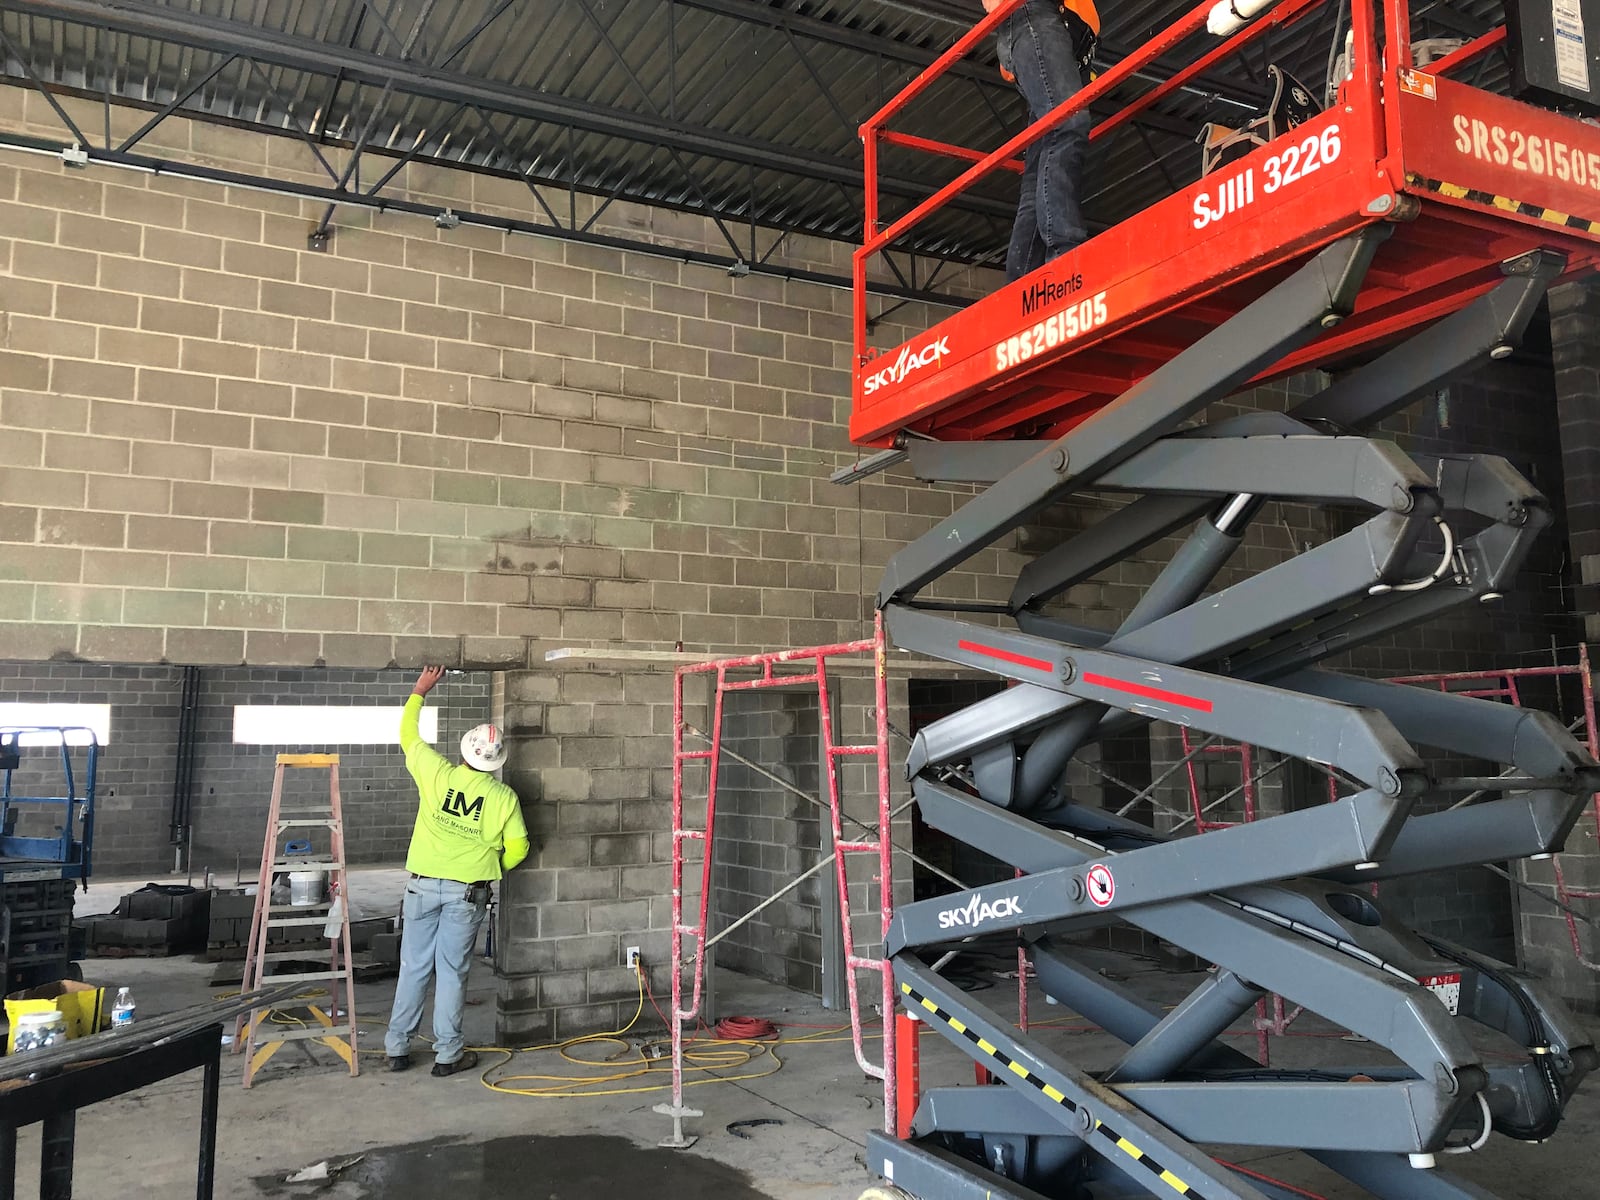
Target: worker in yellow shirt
469,832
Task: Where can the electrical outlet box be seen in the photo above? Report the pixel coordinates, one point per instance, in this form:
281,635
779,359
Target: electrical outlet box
633,958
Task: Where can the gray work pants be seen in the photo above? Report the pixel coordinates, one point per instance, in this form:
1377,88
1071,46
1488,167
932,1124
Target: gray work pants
436,942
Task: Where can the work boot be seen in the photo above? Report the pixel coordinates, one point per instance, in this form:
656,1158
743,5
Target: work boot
400,1062
466,1062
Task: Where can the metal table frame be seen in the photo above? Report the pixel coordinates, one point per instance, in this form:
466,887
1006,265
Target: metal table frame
54,1102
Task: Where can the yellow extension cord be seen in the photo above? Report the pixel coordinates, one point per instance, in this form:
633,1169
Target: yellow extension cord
629,1061
632,1061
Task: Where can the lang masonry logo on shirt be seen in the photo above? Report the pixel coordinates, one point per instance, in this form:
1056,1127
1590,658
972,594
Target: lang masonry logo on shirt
456,804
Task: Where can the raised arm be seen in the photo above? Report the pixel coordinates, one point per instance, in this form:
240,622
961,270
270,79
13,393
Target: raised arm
421,758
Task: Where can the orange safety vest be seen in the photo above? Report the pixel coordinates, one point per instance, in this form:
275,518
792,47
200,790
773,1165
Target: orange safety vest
1083,23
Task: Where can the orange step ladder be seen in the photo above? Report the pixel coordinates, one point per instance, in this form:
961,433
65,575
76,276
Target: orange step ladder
263,1033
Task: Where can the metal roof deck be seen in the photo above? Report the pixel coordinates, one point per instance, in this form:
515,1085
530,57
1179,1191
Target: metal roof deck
741,110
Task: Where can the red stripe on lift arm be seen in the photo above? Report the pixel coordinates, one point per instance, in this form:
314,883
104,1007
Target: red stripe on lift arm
1149,693
1019,660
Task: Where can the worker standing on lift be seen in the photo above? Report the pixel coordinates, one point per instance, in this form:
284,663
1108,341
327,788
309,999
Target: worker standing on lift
469,832
1045,48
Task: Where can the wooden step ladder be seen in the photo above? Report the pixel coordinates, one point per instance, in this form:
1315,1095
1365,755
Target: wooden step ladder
261,1038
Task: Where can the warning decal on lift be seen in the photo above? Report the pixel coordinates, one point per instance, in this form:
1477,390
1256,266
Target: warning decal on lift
1446,987
1103,888
1419,83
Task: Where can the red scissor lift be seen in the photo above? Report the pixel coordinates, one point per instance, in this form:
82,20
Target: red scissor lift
1407,231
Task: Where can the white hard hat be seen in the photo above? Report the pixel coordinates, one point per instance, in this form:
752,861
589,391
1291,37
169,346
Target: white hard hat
483,748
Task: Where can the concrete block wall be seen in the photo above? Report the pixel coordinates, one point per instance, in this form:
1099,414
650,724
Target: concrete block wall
1575,337
456,445
593,766
232,783
768,836
133,789
1545,936
427,445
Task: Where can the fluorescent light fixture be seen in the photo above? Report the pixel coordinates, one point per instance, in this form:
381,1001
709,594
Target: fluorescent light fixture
325,724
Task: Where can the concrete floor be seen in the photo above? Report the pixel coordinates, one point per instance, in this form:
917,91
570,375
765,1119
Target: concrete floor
426,1137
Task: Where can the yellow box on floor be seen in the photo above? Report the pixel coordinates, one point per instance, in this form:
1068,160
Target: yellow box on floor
82,1004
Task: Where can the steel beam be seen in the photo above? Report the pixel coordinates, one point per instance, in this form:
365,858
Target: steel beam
1516,827
1393,1177
1332,1114
1533,742
240,179
223,36
1203,1016
933,1173
1306,466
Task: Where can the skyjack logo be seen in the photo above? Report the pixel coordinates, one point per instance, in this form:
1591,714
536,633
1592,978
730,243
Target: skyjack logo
907,361
974,912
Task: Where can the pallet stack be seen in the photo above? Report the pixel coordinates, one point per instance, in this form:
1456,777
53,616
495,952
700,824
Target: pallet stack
35,931
228,932
152,922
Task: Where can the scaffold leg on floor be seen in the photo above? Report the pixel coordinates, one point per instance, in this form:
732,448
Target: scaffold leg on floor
1279,905
678,1140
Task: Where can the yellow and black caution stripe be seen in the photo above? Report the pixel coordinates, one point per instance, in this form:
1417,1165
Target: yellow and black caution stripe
1011,1066
1550,216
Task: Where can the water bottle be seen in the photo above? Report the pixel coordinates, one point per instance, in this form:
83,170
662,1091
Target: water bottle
122,1011
333,927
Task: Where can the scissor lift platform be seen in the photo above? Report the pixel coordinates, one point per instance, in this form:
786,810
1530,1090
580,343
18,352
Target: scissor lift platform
1464,179
1385,236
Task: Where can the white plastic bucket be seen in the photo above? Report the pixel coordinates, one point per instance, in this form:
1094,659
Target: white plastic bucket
306,887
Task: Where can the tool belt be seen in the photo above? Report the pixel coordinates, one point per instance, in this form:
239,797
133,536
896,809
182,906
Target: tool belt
479,892
1085,37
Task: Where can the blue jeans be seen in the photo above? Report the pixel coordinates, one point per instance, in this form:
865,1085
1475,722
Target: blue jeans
438,937
1034,45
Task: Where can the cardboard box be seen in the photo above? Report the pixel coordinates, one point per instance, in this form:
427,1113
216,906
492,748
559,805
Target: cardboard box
82,1004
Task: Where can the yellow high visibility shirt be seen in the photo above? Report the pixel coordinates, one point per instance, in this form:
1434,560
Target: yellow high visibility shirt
465,817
